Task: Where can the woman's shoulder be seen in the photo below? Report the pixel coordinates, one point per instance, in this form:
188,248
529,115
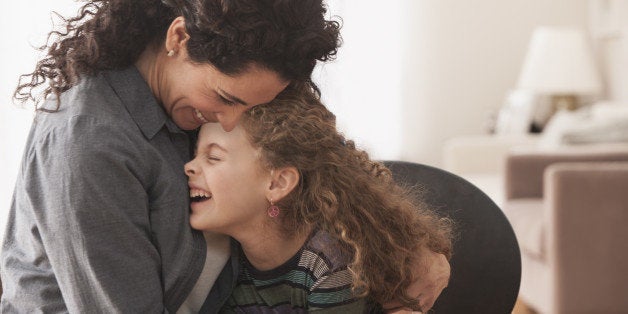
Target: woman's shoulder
105,96
105,106
90,121
89,100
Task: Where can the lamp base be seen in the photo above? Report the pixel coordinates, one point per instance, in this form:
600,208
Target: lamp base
564,102
553,104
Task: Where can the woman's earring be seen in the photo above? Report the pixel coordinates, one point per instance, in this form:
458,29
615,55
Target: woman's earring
171,53
273,210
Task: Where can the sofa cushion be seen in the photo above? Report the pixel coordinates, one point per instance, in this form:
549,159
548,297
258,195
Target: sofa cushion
526,218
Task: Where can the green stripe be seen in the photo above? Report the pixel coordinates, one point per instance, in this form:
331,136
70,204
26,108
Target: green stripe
274,295
247,294
356,306
331,297
298,277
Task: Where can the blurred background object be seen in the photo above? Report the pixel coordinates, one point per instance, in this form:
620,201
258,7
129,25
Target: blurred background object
560,64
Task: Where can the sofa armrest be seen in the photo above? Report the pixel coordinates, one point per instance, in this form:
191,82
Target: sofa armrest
586,209
525,168
481,154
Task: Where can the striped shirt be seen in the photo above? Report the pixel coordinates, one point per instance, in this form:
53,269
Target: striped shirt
316,278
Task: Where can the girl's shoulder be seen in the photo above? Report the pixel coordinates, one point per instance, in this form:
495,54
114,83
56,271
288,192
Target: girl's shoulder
323,253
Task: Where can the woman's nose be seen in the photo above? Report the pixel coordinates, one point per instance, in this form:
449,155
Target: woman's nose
229,121
230,124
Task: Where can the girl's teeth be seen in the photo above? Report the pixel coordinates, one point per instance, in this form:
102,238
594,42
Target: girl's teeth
199,193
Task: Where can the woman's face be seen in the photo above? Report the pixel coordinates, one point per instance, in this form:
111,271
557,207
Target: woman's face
227,182
194,94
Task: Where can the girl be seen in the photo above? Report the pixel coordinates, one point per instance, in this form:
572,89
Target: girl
319,225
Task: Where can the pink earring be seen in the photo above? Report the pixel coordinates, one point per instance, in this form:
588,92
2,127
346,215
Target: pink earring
273,210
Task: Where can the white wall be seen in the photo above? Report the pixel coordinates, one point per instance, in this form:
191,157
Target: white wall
609,24
413,73
363,85
460,59
23,24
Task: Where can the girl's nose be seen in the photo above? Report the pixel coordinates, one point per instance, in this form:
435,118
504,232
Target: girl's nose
189,169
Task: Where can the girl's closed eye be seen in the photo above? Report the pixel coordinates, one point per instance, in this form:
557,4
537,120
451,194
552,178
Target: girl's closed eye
212,158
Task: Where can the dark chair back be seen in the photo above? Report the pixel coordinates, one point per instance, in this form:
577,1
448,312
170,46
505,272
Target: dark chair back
486,263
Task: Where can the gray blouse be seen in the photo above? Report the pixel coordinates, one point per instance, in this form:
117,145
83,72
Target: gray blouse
99,219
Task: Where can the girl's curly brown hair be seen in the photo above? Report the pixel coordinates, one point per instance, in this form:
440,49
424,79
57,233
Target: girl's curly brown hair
343,192
285,36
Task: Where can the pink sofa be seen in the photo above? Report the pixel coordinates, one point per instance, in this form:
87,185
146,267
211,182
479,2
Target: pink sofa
569,211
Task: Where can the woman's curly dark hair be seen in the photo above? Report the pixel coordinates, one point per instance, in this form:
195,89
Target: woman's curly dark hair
341,190
285,36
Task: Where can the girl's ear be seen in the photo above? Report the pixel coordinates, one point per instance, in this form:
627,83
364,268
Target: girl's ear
283,181
177,36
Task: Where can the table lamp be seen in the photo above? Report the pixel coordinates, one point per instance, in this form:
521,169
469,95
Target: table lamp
560,64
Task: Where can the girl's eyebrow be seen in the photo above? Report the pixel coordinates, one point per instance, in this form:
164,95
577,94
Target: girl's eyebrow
212,145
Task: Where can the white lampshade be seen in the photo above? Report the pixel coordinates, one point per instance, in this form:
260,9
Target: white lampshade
560,61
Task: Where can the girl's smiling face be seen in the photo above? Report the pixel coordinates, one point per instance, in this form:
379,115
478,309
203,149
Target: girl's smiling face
227,182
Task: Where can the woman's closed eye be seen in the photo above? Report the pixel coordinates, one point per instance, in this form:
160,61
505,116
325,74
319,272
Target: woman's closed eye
226,101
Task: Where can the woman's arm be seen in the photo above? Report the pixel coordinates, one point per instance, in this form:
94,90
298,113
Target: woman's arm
85,215
433,272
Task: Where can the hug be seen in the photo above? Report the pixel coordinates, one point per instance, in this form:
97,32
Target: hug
180,161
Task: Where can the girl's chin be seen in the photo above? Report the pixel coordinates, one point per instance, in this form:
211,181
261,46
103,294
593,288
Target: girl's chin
197,221
199,225
202,222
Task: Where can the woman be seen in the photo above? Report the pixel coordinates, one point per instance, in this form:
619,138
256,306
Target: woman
319,225
99,220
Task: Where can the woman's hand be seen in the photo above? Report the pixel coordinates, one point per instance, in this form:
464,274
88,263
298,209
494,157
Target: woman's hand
433,273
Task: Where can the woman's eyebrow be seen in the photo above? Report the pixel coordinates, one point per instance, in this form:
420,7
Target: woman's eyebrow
232,98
